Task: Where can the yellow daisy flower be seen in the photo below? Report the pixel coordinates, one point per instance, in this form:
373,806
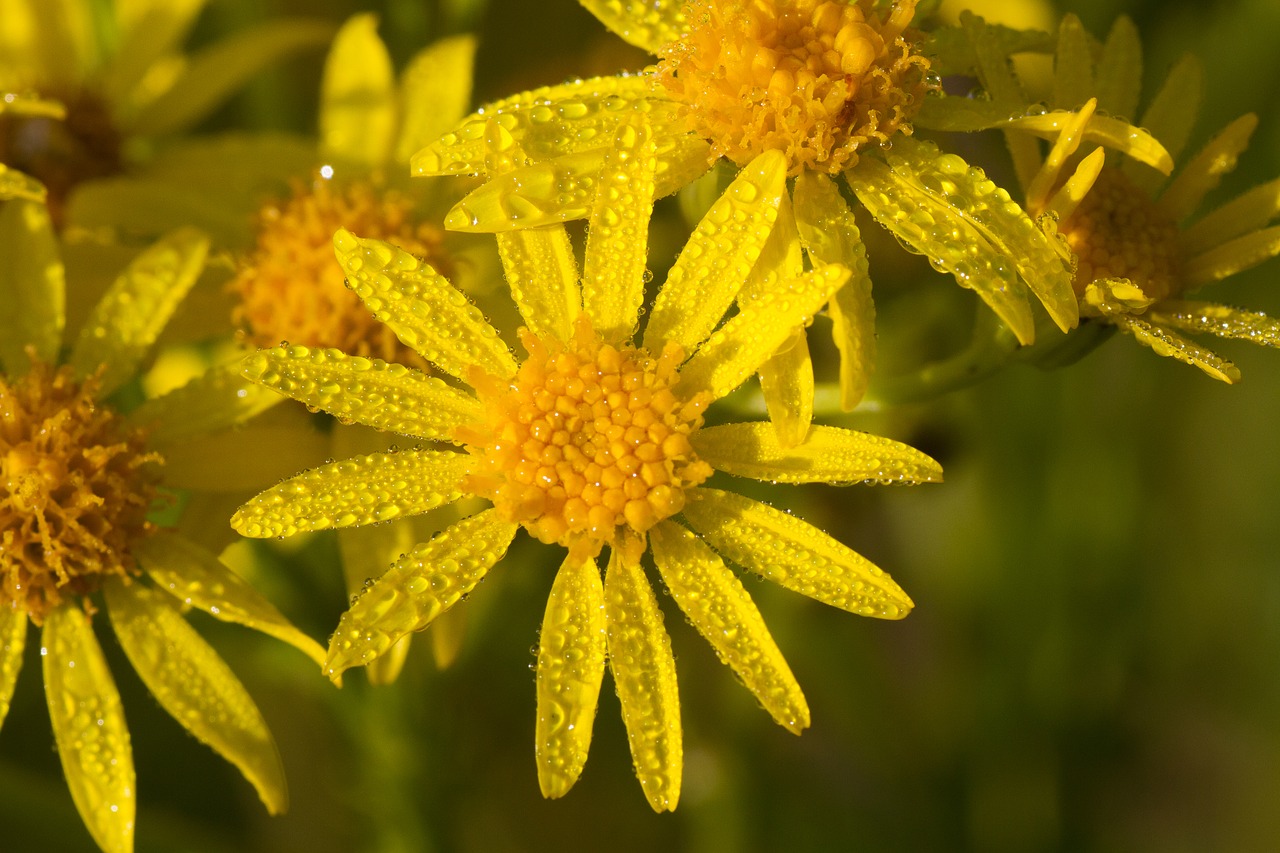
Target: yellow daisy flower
78,479
833,87
119,72
595,439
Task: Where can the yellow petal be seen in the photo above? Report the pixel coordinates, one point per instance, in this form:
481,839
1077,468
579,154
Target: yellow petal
263,454
89,728
147,35
366,553
194,684
648,24
1072,65
718,257
714,600
1068,197
1217,158
542,193
215,400
1063,147
435,91
786,382
1221,320
793,554
830,235
644,673
15,184
613,274
125,323
781,258
357,96
1171,115
1232,257
198,579
1247,212
422,308
389,397
829,455
33,280
543,276
738,348
356,491
571,654
64,42
1170,344
996,75
1118,80
951,52
13,638
419,587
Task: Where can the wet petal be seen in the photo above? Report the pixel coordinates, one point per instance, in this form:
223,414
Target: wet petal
89,728
1118,81
424,310
543,276
1063,147
1247,212
366,553
13,638
215,400
34,282
198,579
419,587
829,455
1170,344
356,491
435,91
1072,65
648,24
995,72
794,554
1221,320
530,196
389,397
571,656
714,600
357,96
718,256
1188,189
130,316
644,673
786,382
1170,116
194,684
613,274
1233,256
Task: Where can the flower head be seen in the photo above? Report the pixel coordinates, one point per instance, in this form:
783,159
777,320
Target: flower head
594,440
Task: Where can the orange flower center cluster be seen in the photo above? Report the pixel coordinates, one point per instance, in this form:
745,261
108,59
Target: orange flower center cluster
76,482
815,79
586,442
1118,232
291,287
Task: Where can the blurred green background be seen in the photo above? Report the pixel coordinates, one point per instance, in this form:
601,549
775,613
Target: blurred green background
1092,663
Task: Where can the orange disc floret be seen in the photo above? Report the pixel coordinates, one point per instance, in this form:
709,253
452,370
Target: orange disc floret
815,79
291,288
76,481
587,441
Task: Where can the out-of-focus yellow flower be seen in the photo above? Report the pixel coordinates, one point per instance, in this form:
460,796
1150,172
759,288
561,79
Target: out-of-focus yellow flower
834,88
120,75
78,479
594,440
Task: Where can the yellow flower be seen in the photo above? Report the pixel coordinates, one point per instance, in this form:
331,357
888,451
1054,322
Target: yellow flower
122,79
78,478
594,440
832,87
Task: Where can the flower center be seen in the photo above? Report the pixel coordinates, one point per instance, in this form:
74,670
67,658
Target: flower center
586,442
291,287
1118,232
816,79
62,152
76,482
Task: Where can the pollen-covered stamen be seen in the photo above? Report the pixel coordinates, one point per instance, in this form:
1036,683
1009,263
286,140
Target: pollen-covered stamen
587,442
76,482
291,288
815,79
1118,232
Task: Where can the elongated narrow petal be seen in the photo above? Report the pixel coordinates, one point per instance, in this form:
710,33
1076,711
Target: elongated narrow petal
1250,211
1170,344
794,554
738,348
13,639
389,397
951,50
15,184
995,72
830,234
196,686
829,455
718,256
1220,320
215,400
425,311
213,74
131,314
543,277
1171,115
1233,256
1202,174
716,603
1063,147
1072,65
156,32
648,24
357,96
786,382
89,728
1068,197
196,578
361,490
419,587
644,672
613,274
571,656
435,91
34,283
366,553
1118,82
